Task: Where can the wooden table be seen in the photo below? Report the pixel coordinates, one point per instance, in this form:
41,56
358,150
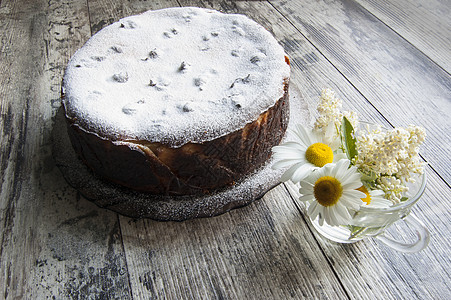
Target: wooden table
388,60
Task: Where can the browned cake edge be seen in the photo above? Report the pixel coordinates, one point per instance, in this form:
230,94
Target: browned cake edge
193,168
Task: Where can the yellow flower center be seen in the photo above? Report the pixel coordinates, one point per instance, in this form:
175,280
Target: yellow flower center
367,199
319,154
327,190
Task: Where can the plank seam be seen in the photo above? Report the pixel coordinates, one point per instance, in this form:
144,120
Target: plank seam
358,91
336,68
117,215
434,170
403,38
89,17
125,256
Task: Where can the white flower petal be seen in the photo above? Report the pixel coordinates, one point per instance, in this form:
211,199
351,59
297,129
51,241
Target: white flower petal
333,216
313,210
343,163
352,185
376,193
295,155
307,197
352,170
335,144
313,177
300,173
352,178
339,156
287,151
349,202
321,218
340,170
378,201
328,169
306,188
329,216
304,135
289,173
354,194
343,212
281,164
317,137
340,219
288,147
284,163
331,137
330,130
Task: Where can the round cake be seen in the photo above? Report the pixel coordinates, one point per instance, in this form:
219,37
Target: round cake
177,101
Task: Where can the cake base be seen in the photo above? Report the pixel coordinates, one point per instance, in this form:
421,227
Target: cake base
167,208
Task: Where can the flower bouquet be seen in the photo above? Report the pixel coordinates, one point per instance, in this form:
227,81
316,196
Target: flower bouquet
353,177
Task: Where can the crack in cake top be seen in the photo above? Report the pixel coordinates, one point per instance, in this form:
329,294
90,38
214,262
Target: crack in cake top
174,76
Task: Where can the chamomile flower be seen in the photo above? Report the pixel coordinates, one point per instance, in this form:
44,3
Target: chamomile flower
374,198
310,150
331,191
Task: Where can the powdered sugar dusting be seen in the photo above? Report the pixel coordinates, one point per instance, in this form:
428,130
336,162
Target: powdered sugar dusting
174,76
159,207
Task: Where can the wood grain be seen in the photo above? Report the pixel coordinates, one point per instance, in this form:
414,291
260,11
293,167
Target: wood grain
392,275
311,71
262,251
53,244
103,13
167,261
397,79
357,271
424,24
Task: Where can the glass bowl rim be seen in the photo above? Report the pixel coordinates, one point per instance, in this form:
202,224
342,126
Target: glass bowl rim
403,204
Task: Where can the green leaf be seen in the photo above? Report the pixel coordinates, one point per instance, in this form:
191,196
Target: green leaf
369,177
404,199
348,138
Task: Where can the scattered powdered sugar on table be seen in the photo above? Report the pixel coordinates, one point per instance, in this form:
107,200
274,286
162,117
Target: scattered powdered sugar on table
175,208
174,76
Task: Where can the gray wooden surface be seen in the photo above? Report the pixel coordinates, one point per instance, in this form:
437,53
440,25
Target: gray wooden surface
388,60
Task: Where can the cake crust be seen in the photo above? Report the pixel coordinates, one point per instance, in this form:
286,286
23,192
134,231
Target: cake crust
177,101
194,168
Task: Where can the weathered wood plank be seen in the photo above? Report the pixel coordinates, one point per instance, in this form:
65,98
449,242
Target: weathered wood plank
230,256
310,71
359,263
103,13
401,82
425,24
53,244
262,251
14,138
423,275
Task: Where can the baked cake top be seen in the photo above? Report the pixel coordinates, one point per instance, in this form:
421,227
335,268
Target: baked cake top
174,75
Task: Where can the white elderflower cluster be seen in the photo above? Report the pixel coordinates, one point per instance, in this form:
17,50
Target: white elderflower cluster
352,117
342,168
390,155
329,109
392,187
